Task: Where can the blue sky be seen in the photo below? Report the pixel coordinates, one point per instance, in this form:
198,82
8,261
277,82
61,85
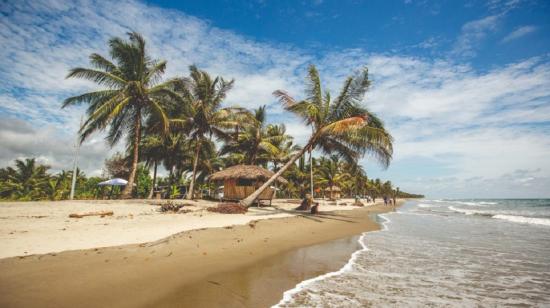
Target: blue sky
464,86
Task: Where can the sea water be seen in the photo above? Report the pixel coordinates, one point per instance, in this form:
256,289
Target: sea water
444,253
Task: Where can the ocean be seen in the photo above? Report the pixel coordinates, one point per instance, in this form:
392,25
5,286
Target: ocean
466,253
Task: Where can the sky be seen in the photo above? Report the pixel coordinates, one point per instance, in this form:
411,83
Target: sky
463,86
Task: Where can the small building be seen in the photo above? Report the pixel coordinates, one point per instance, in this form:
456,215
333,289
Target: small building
241,181
333,192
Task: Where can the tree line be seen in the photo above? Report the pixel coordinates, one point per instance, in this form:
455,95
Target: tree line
182,124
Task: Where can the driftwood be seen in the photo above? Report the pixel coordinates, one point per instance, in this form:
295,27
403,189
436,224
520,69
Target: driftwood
101,214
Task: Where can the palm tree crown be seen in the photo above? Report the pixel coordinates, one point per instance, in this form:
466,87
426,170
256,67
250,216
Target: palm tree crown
340,126
132,93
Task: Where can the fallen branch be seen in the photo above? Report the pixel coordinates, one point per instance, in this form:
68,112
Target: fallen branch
101,214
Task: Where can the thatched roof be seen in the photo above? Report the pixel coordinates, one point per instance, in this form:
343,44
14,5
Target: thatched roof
333,188
248,172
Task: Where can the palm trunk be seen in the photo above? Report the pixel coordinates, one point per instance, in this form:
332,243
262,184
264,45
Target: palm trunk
311,172
127,193
195,163
154,181
250,199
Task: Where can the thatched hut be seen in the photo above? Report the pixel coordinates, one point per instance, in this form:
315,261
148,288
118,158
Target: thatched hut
333,192
242,180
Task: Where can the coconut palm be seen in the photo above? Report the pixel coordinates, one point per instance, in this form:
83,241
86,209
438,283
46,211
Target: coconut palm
153,150
29,180
254,140
331,172
205,117
284,144
132,93
340,126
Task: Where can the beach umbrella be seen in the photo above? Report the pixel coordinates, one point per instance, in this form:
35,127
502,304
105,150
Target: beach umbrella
113,182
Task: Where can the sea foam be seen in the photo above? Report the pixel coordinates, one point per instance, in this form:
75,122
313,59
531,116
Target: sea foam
287,295
526,220
511,218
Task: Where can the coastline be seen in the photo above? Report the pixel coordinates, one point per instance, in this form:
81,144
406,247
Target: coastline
171,271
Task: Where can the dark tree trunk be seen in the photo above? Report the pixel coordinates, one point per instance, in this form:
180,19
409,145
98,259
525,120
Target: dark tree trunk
154,181
195,163
127,193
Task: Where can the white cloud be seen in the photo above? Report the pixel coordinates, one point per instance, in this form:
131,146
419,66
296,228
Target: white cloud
483,125
519,32
473,33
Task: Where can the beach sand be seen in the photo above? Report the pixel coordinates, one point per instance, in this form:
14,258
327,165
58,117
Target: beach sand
233,260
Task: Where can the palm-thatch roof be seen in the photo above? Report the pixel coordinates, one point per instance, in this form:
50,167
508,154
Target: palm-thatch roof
333,188
248,172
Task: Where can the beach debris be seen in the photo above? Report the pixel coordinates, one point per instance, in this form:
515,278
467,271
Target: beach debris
172,207
228,208
100,214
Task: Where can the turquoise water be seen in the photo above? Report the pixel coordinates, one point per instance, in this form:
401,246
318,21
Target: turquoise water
444,253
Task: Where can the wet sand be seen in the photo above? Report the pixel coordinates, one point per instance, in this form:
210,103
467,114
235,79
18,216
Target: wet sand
250,265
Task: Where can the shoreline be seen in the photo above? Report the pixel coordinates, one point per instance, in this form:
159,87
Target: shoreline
163,272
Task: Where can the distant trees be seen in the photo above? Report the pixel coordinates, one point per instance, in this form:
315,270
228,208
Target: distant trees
28,180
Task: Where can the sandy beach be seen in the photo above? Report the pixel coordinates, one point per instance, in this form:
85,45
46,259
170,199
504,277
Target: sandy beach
140,257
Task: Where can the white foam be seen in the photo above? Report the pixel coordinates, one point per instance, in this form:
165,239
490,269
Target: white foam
487,203
287,295
465,211
466,203
424,205
526,220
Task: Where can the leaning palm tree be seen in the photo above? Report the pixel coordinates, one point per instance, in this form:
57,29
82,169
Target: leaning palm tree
132,93
340,126
205,117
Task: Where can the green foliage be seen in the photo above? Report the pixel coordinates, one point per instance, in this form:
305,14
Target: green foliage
143,181
174,191
28,181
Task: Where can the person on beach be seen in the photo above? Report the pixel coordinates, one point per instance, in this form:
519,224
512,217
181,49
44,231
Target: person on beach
315,208
385,201
306,203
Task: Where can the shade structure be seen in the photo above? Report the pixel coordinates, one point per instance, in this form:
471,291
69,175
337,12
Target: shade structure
248,172
114,182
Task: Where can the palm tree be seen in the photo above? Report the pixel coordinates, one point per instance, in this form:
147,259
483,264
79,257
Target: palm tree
27,181
341,126
132,92
331,171
283,143
205,117
254,140
153,150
